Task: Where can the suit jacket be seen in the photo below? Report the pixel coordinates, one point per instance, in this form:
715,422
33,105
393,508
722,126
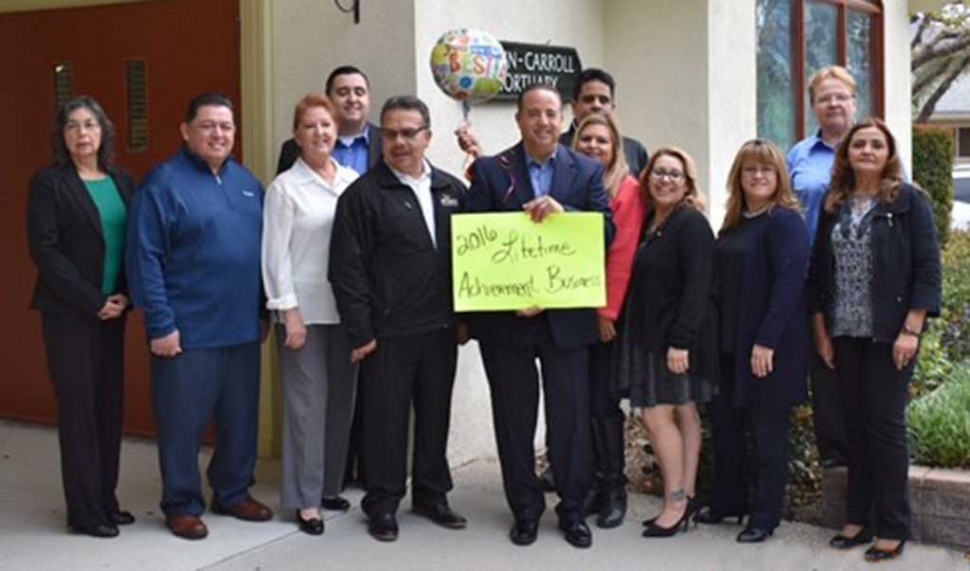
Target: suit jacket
290,150
67,242
501,183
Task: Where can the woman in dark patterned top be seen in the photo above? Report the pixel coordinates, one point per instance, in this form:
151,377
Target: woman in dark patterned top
875,278
762,259
667,357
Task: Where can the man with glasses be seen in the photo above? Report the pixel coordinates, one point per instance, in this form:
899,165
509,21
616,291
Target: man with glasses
540,177
193,267
358,143
390,267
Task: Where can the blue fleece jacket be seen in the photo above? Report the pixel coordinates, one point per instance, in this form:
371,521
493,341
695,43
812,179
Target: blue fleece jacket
193,252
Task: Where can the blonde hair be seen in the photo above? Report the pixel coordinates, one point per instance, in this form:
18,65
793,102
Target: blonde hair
761,152
831,72
693,198
843,177
618,169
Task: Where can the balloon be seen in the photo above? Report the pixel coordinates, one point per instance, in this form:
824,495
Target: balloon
469,65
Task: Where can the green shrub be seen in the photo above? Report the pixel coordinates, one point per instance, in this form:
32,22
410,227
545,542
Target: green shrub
933,171
939,423
955,316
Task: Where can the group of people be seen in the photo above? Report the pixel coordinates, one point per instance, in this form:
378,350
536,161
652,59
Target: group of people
348,259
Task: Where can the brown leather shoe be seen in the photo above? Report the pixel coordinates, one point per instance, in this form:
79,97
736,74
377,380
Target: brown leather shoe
248,510
187,526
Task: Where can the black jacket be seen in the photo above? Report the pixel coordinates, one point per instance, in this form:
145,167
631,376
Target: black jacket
670,302
290,151
66,241
388,277
907,272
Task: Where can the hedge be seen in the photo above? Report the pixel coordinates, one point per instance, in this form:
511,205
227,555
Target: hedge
933,171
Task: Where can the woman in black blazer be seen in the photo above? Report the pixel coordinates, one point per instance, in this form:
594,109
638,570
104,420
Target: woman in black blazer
667,355
761,265
76,216
875,278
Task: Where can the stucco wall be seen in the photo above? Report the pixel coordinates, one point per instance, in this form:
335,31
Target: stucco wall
898,86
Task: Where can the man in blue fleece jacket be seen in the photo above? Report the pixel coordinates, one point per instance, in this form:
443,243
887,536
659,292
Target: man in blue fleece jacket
193,268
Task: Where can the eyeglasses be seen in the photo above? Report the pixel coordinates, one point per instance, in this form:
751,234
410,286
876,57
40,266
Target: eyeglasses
754,170
672,176
836,97
406,134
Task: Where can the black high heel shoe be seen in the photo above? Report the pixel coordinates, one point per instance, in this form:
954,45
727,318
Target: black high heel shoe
654,530
693,506
848,542
709,515
312,526
875,555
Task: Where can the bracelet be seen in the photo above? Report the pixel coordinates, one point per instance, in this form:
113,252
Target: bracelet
914,333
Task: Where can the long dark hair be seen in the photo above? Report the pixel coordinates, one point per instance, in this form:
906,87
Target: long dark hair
843,177
105,152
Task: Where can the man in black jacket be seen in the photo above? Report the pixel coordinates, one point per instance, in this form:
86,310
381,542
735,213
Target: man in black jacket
358,143
390,267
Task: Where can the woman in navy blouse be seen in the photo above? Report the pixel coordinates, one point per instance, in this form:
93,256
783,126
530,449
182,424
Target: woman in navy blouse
762,258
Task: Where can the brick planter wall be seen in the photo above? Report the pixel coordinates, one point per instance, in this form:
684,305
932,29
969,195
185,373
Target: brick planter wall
939,499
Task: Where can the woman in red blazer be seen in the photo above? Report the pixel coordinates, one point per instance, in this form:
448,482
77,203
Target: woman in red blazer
76,216
599,137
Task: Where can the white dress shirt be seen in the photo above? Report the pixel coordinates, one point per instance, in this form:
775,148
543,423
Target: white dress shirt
297,222
422,190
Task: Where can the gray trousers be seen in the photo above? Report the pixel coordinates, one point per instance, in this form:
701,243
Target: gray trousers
319,387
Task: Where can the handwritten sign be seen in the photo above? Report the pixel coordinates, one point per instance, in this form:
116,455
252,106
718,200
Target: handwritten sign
506,261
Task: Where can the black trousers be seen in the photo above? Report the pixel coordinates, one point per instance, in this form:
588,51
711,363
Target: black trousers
828,410
734,470
514,384
85,358
413,370
875,395
606,419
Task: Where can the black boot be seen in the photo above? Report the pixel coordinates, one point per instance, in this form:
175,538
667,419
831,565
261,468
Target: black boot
608,441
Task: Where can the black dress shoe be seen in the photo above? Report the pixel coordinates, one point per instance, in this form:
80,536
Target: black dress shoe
754,535
845,542
336,503
382,527
312,526
440,513
577,533
875,555
103,530
121,517
524,531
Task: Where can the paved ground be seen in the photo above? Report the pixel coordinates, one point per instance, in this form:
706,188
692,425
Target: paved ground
32,534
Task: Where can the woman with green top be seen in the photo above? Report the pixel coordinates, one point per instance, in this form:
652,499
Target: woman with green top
76,216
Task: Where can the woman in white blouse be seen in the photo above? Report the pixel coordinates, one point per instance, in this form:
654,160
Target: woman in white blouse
319,381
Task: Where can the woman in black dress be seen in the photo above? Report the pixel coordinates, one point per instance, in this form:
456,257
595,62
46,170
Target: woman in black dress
762,259
667,357
76,215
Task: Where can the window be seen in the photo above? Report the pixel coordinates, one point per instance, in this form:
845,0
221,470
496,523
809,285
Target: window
63,82
796,38
963,142
136,88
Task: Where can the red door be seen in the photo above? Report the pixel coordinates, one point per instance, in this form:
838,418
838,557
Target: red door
143,61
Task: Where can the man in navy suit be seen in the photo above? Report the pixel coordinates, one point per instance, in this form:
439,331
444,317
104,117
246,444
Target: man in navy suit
541,177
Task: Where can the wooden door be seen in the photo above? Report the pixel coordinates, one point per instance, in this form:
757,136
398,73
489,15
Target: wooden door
142,62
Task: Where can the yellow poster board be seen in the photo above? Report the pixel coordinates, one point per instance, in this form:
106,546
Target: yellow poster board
505,261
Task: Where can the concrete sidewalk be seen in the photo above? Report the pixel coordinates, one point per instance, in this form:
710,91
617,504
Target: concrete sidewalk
33,536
